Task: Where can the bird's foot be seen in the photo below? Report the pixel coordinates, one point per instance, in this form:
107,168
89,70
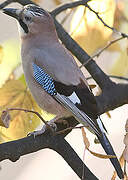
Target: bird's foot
50,125
37,133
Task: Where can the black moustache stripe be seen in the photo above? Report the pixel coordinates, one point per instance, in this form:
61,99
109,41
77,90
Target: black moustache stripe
23,25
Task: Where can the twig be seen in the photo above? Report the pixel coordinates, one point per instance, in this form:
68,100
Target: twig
119,77
112,76
66,17
22,2
70,5
61,8
112,28
30,111
68,129
103,49
5,3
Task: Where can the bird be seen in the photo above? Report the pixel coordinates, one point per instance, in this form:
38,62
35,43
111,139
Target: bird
56,82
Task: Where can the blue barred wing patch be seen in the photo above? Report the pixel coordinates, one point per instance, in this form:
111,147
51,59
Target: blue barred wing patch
44,80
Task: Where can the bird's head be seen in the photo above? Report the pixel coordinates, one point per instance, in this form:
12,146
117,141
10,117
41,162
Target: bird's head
32,18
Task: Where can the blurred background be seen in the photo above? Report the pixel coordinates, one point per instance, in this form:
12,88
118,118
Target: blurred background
93,36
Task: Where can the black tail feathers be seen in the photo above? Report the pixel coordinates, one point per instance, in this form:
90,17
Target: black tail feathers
109,150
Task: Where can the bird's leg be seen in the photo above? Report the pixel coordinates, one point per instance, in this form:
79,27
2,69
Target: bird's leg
45,127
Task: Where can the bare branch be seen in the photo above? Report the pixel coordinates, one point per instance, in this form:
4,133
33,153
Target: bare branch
102,50
30,111
15,149
98,75
70,5
113,95
5,3
113,76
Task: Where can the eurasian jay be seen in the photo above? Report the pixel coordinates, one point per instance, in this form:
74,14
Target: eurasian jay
53,77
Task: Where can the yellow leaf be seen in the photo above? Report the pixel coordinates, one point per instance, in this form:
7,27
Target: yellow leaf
57,2
125,177
11,59
1,53
14,95
92,86
120,67
114,46
103,156
108,114
88,30
125,9
119,14
87,144
85,139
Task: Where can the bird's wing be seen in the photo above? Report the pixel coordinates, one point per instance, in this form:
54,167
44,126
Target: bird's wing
64,95
59,64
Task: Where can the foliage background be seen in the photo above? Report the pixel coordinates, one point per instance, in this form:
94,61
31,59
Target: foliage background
113,61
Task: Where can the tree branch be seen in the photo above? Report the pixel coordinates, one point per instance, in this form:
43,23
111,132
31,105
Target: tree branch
15,149
97,54
98,75
112,96
70,5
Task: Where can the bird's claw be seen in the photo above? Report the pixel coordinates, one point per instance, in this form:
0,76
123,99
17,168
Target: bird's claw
37,133
44,128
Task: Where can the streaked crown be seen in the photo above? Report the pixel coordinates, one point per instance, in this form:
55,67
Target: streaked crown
31,13
34,10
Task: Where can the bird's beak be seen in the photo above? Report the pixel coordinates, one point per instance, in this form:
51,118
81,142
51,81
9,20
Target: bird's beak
12,12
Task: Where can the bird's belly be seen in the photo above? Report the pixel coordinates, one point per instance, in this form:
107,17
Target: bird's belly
43,99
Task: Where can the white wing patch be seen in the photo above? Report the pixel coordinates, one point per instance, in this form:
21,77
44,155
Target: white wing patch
74,98
80,116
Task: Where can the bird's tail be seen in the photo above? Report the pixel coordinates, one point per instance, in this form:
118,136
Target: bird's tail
99,129
109,150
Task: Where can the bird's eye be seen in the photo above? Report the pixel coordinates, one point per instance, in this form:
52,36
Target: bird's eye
27,18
